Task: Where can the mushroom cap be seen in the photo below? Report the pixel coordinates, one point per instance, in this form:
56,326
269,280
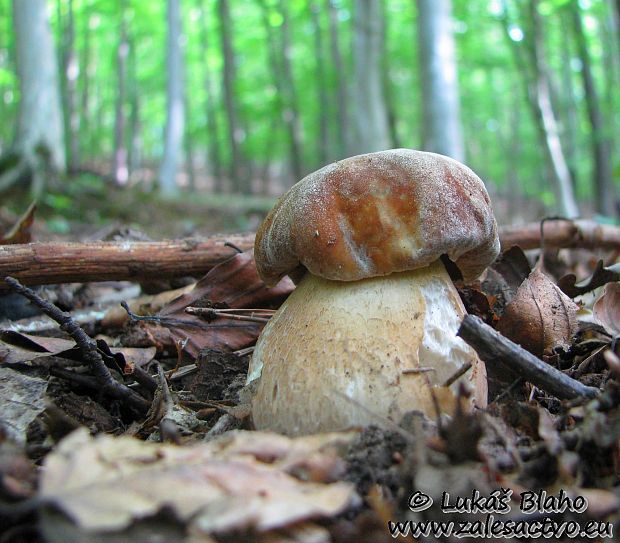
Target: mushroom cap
379,213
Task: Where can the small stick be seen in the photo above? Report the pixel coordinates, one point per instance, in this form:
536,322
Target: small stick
87,347
492,347
207,311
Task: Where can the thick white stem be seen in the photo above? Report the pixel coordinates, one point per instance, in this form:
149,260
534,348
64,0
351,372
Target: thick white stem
385,343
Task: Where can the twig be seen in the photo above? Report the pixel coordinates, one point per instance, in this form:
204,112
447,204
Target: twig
227,313
492,347
87,347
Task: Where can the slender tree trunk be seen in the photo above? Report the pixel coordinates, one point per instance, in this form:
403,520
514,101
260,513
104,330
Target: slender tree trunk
85,97
387,87
537,89
213,126
600,143
134,151
120,168
39,143
343,129
175,116
190,167
549,125
570,107
370,117
441,125
70,70
291,111
235,133
321,81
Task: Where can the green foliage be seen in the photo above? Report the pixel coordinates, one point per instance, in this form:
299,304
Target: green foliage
500,134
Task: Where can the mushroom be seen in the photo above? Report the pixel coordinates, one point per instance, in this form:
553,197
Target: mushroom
370,330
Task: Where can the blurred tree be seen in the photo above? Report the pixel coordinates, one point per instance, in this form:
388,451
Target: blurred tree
535,72
120,169
70,72
235,132
602,184
210,105
324,144
39,145
175,116
370,119
343,129
441,125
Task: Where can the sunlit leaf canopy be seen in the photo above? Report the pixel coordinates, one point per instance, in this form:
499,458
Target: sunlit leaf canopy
500,133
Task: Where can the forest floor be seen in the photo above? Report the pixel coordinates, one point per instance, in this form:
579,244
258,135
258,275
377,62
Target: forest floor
146,435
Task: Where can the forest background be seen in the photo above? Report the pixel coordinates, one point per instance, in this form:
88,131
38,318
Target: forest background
228,102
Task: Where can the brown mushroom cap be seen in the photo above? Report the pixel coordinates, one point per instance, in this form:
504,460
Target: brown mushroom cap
379,213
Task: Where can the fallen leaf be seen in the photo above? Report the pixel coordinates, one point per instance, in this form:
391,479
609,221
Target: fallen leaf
105,483
20,231
232,284
600,276
606,309
22,399
540,317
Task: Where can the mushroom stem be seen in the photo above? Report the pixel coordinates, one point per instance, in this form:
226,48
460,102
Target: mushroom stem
366,340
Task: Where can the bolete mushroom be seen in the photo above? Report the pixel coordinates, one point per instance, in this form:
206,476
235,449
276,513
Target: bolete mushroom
371,327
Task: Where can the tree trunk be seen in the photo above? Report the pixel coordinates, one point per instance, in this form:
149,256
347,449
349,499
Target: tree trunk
85,97
39,143
321,81
343,147
70,70
175,115
441,125
537,88
549,125
120,170
134,152
291,111
235,133
370,116
600,143
213,126
387,88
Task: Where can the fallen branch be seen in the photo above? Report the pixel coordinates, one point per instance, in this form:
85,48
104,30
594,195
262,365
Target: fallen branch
492,347
88,349
561,233
63,262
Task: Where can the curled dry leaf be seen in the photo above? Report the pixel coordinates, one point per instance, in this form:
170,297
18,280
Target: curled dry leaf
106,483
606,309
600,276
540,317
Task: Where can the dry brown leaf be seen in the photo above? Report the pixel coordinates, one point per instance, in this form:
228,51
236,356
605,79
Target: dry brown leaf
232,284
540,317
106,483
600,276
606,309
22,398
